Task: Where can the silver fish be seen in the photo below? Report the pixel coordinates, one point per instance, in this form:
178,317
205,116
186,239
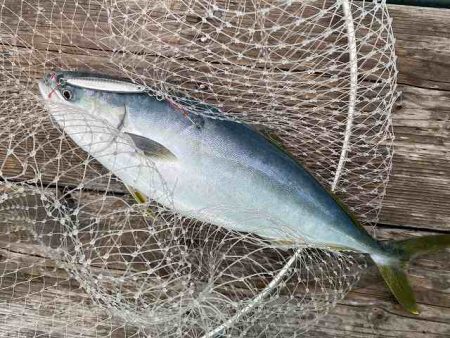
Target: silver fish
216,170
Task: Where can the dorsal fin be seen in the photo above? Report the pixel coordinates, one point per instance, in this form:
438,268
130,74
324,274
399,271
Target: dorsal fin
273,138
151,148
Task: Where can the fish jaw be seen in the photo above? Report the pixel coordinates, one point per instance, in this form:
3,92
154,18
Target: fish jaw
48,87
43,89
48,93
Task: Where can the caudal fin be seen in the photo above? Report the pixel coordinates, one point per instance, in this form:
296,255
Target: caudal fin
393,268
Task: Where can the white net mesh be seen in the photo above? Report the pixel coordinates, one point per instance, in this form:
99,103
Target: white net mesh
79,257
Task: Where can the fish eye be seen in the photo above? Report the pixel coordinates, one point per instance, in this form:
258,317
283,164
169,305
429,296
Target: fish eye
67,94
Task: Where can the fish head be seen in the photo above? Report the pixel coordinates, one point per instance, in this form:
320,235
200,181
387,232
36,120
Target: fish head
55,89
95,94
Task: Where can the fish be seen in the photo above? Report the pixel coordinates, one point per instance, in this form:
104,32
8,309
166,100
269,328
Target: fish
217,170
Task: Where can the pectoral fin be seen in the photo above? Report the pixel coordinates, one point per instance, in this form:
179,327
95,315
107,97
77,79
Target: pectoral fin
151,148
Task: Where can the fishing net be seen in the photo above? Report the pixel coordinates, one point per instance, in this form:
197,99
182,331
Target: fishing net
79,255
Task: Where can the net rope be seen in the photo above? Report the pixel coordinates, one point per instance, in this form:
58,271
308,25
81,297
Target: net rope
80,257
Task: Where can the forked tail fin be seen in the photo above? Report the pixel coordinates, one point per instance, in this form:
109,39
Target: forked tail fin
393,268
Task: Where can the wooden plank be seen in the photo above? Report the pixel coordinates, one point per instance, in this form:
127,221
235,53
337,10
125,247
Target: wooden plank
421,3
423,53
418,192
367,311
422,45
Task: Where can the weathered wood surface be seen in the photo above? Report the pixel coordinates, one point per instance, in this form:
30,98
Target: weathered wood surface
369,310
419,188
418,194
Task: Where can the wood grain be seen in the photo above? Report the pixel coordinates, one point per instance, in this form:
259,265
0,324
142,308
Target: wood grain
422,46
369,310
419,187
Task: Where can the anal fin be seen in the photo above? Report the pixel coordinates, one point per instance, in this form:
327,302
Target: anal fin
138,196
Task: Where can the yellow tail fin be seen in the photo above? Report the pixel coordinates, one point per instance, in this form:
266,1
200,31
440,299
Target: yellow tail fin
393,268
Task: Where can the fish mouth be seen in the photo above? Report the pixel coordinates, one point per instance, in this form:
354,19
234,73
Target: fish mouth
44,89
48,93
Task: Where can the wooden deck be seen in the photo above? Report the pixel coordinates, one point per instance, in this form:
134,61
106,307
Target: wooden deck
418,195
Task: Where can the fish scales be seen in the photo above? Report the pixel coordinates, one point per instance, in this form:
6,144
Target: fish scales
216,170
